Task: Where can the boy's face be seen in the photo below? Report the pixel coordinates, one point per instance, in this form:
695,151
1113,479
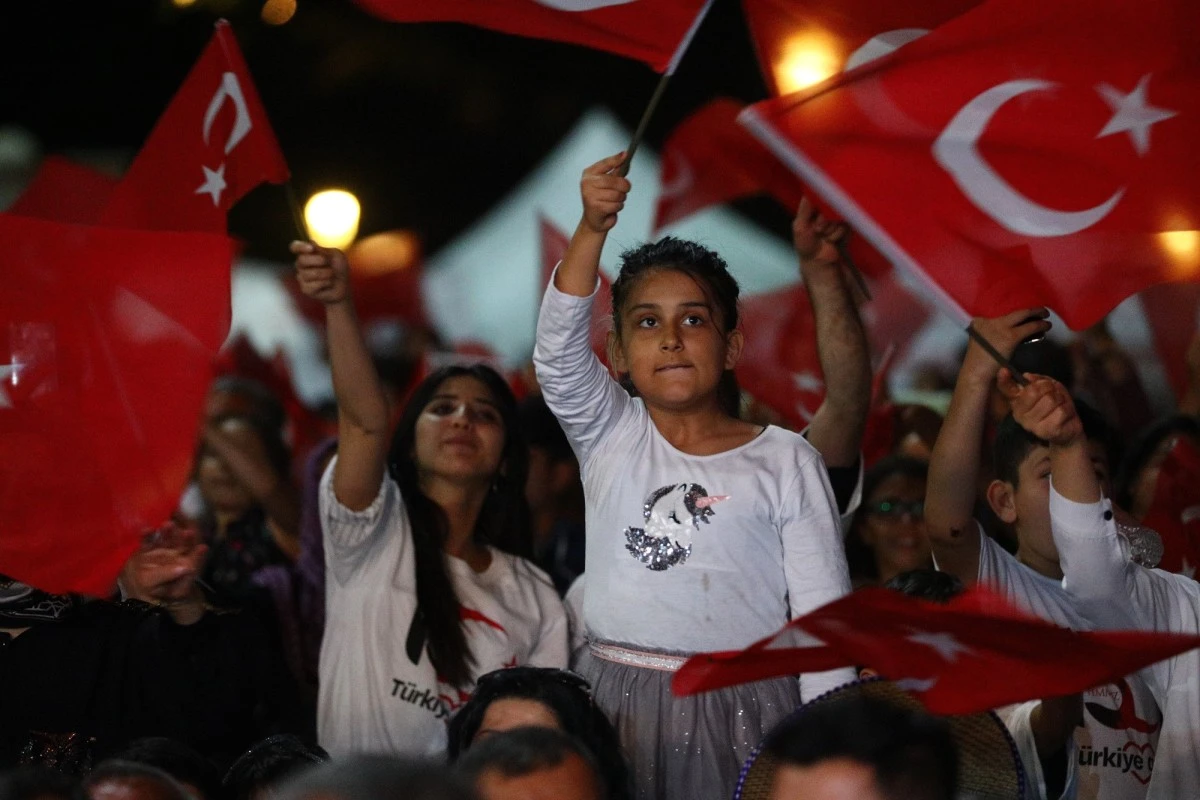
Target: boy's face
1027,506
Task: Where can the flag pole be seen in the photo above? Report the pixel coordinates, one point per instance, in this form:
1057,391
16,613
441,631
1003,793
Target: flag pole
289,191
638,134
994,353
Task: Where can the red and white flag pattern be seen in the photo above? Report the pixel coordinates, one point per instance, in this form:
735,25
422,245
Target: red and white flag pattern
972,654
1022,154
654,31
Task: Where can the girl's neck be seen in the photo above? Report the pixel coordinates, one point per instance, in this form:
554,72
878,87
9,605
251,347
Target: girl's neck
702,432
1040,565
462,504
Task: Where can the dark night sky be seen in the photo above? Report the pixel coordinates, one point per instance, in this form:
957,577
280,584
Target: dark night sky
429,124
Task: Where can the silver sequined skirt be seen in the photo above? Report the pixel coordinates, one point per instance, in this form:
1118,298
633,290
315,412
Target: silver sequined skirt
683,748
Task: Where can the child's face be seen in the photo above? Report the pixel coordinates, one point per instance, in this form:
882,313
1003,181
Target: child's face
673,343
1029,508
894,528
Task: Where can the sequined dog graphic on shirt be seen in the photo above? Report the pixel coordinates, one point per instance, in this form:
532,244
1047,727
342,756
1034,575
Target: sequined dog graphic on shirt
671,514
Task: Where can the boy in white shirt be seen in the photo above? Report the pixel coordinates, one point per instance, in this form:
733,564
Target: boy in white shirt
1119,719
1111,590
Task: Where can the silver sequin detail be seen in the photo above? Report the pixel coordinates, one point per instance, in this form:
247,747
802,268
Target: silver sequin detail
661,552
1145,545
637,658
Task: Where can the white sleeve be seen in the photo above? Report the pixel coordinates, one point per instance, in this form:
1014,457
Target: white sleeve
577,387
1108,588
352,538
1018,719
814,558
552,647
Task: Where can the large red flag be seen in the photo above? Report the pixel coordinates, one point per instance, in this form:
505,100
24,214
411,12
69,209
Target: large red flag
972,654
1022,154
1175,511
105,358
211,146
709,159
800,44
554,248
64,191
654,31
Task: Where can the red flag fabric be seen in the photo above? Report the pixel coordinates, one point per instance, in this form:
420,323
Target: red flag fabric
709,159
211,146
780,366
1175,511
654,31
1022,154
106,360
554,248
972,654
800,44
64,191
1172,312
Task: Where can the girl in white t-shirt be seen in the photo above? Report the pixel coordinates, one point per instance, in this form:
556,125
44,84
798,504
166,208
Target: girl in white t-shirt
423,531
704,532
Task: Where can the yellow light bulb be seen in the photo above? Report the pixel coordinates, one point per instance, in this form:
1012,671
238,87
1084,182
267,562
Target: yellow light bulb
808,59
332,218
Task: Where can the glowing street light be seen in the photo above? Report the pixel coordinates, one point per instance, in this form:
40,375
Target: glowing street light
332,218
807,59
1183,248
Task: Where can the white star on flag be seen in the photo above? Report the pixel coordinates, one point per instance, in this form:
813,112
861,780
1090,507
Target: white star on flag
1187,569
1132,114
214,183
944,643
807,382
8,372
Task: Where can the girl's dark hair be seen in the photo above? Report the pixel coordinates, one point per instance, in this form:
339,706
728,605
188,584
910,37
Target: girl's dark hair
859,556
503,521
567,695
1143,448
708,270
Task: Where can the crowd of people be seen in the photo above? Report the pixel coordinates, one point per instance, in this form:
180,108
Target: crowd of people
404,609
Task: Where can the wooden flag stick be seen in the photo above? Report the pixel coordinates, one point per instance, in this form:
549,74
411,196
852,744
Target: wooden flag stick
844,251
289,192
639,134
994,353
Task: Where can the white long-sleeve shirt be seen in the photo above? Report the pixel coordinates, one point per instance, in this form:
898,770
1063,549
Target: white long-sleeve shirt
1114,749
1115,593
687,553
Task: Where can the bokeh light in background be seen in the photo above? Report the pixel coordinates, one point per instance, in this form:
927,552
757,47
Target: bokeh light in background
381,253
807,60
1183,248
277,12
183,3
332,218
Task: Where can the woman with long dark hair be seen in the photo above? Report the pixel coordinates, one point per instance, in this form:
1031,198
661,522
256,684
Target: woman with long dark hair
425,536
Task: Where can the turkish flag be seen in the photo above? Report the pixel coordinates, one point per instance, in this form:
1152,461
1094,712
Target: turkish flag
1175,511
1022,154
709,159
781,367
64,191
654,31
1172,312
105,362
801,44
972,654
211,146
554,248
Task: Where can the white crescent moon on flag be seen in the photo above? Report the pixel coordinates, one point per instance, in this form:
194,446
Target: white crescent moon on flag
581,5
955,150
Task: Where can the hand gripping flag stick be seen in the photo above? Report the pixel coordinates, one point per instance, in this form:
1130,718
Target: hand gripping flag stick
994,353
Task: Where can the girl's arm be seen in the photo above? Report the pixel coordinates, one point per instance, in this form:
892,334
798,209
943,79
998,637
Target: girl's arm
362,406
814,558
577,387
603,198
